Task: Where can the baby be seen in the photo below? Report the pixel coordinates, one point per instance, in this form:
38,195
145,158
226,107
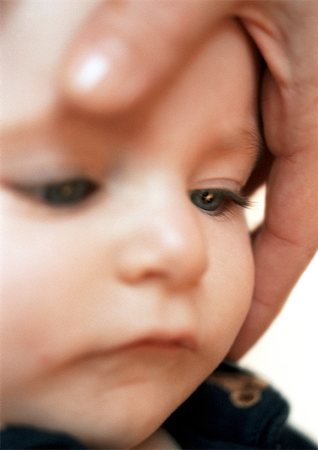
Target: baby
128,265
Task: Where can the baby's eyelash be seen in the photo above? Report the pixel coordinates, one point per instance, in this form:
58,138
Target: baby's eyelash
216,201
66,193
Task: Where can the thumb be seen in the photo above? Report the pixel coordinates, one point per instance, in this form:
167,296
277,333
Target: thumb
127,49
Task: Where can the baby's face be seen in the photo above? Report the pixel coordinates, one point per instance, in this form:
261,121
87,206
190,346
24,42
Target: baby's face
128,268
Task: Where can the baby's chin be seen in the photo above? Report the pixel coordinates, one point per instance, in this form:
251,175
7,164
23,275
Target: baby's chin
121,433
114,432
123,420
131,423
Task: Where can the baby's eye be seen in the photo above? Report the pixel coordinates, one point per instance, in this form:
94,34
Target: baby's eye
62,194
217,201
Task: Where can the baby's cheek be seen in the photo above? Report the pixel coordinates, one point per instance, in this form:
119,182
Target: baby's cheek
23,342
29,321
28,325
228,286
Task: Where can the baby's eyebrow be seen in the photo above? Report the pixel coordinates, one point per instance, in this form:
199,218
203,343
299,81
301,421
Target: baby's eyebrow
249,140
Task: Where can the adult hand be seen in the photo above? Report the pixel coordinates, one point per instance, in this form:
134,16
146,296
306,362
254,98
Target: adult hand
128,49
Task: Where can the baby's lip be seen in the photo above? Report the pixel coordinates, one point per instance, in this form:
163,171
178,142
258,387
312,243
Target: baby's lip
161,342
156,341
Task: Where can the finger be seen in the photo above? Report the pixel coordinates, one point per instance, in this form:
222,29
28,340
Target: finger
289,236
279,264
128,48
286,34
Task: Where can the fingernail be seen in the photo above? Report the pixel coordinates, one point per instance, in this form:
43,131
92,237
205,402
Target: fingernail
91,72
98,77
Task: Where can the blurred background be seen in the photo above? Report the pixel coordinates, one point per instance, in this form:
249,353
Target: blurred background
287,354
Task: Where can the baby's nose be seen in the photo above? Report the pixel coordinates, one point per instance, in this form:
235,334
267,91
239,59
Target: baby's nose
165,245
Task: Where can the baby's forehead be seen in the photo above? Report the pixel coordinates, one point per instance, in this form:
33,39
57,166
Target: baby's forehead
218,90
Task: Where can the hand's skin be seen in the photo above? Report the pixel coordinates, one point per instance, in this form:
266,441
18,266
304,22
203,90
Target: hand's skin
286,33
154,39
